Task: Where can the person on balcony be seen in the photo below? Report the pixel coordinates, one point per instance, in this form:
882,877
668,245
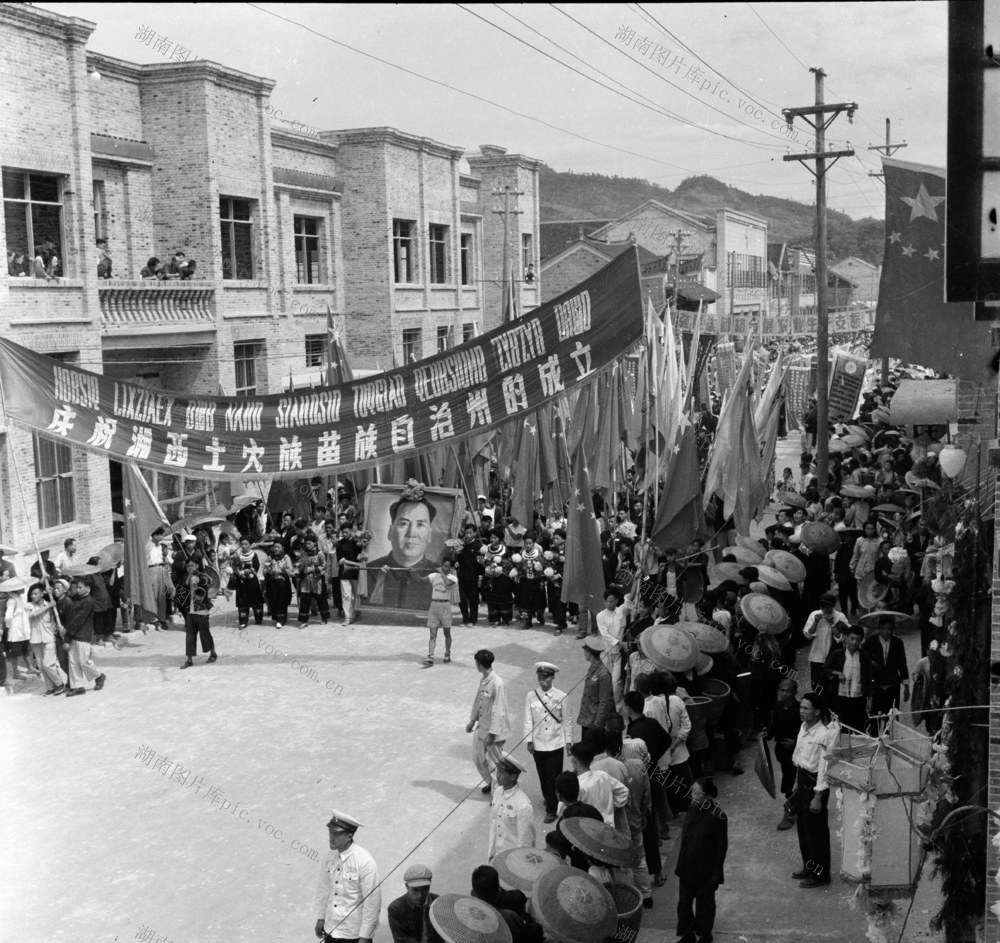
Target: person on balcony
177,265
188,271
104,263
153,269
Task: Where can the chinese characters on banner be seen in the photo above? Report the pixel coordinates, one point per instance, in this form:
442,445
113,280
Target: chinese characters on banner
505,374
846,377
804,325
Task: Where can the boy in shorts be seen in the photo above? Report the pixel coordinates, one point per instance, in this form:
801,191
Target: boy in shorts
443,583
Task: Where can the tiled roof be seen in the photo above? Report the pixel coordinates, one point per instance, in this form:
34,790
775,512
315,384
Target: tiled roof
555,236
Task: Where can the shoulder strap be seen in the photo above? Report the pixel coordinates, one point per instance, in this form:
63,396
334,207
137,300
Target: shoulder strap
558,720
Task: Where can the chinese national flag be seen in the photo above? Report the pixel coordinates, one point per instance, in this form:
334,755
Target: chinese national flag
338,368
913,322
142,517
583,574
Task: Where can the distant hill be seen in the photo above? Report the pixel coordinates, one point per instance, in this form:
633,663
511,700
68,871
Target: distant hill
566,195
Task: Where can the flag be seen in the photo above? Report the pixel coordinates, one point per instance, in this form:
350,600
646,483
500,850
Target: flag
338,368
525,467
912,321
679,514
142,517
583,573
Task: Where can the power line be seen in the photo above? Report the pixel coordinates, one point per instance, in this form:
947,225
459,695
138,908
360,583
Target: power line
662,78
650,18
462,91
658,110
777,37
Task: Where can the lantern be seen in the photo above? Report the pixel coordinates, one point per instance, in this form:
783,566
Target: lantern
882,780
952,460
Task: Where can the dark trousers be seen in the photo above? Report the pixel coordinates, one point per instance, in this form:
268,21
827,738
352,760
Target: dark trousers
335,594
817,676
788,771
468,598
651,846
676,787
851,711
279,595
62,653
556,606
498,614
813,827
196,624
244,614
883,701
549,764
104,623
695,911
306,601
847,591
532,602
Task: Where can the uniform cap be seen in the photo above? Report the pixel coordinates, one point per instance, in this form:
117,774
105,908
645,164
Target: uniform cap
545,667
341,820
418,875
512,764
595,643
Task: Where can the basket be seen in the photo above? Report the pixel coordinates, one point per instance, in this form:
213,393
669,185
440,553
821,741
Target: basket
697,709
628,903
719,692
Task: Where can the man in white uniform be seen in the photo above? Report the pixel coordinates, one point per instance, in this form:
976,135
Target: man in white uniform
511,812
548,730
348,898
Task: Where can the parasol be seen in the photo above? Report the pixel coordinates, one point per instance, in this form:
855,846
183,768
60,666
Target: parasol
792,500
192,521
764,768
109,557
773,577
820,538
669,647
764,613
744,556
900,620
573,906
599,841
12,584
887,509
839,445
708,639
520,867
241,501
6,548
871,592
461,919
725,571
900,496
787,564
82,569
853,440
748,543
858,492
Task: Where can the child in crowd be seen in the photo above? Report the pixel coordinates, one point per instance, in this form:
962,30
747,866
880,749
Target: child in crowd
498,590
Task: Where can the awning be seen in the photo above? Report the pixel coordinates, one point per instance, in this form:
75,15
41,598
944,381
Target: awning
692,291
924,403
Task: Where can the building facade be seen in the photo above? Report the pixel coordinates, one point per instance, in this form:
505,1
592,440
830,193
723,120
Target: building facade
388,232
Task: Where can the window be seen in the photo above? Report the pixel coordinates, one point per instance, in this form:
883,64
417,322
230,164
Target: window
100,216
412,348
315,350
307,236
468,333
468,259
53,483
437,240
245,358
237,238
402,250
527,252
32,216
444,338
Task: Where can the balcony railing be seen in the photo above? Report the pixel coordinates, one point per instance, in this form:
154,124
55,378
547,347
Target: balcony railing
141,304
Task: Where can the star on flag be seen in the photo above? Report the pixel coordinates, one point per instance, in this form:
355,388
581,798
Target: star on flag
908,251
894,237
923,204
931,255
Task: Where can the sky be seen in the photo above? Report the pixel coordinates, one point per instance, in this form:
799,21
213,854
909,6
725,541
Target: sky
661,110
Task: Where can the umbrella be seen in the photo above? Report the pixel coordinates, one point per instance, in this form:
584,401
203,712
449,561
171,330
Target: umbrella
669,647
773,577
599,841
704,666
899,619
241,501
725,571
12,584
461,919
900,496
83,569
748,543
193,520
110,556
521,867
853,441
743,555
6,548
856,491
764,613
871,592
792,500
820,538
707,638
860,431
572,906
914,482
787,564
887,509
839,445
764,768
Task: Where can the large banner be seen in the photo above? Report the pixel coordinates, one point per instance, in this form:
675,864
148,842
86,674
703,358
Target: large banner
507,373
847,375
800,325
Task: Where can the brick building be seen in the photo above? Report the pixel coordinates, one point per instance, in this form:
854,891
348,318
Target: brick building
182,157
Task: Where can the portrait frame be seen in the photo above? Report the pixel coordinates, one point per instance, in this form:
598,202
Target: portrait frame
449,506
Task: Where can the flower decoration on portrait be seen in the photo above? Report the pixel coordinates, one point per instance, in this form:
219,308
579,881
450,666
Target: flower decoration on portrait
897,555
516,558
454,543
363,538
413,490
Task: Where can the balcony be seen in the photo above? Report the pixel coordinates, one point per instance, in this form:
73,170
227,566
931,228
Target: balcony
150,307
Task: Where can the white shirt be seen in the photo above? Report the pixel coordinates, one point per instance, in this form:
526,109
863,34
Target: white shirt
852,673
441,586
811,749
154,555
43,624
489,709
543,730
345,881
511,821
64,560
820,629
604,793
611,626
679,730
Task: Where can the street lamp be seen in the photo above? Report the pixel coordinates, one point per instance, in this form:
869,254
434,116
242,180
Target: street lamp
952,457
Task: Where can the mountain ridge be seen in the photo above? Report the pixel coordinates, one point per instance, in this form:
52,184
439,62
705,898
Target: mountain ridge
565,195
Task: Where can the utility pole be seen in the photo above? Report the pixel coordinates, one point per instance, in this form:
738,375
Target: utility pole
506,212
820,117
678,235
887,149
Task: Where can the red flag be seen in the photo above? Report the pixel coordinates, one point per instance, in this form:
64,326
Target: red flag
583,574
525,466
913,322
338,368
142,517
679,514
